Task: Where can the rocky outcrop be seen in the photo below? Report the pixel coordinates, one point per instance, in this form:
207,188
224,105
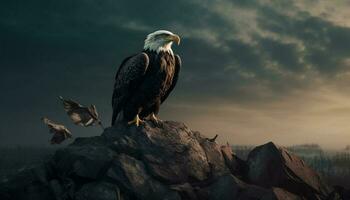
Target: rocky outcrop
168,161
273,166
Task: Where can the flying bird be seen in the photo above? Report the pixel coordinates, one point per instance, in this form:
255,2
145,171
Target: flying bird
145,80
81,115
60,132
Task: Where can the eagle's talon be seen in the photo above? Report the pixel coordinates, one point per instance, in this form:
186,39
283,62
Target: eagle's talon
137,121
157,122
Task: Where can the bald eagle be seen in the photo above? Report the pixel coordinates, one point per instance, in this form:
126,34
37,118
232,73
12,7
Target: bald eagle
145,80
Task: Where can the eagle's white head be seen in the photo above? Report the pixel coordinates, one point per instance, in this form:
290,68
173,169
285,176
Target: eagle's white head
161,41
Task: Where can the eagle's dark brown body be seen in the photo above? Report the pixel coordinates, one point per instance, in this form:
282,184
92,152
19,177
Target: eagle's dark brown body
142,83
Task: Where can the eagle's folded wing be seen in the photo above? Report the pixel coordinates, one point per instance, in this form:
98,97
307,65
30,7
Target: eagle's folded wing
175,78
128,77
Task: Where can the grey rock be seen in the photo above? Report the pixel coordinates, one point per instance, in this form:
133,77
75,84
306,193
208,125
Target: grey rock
237,166
56,189
154,146
229,187
215,158
131,175
281,194
91,141
83,161
167,161
34,192
98,191
225,188
114,132
69,187
185,190
128,145
274,166
42,173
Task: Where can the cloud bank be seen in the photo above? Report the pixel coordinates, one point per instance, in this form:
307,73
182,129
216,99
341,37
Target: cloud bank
254,71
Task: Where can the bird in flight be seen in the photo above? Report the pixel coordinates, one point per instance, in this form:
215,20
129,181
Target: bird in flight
60,132
81,115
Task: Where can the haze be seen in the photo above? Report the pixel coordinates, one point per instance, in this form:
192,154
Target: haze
253,71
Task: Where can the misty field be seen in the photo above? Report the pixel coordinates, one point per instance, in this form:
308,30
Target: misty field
333,166
14,159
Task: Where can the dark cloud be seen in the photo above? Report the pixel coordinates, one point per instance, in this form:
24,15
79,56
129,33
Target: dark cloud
286,56
325,43
73,48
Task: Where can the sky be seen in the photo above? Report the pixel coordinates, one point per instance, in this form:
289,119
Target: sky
253,71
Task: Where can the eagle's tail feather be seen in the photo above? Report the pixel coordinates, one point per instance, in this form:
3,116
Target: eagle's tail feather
116,117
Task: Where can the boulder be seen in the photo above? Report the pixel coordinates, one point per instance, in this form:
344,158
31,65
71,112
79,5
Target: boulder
87,161
56,189
229,187
98,191
215,158
89,141
186,191
281,194
167,161
190,156
131,174
237,166
273,166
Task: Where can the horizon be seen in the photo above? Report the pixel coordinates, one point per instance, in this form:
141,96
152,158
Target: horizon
252,72
303,145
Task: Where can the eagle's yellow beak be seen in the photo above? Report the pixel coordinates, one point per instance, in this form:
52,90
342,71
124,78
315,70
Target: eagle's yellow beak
175,38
